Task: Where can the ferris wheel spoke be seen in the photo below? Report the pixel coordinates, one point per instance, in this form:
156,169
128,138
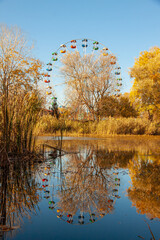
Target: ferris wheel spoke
96,60
67,50
77,47
57,76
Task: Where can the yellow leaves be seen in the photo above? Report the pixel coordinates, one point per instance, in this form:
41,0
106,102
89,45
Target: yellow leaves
146,74
15,60
147,56
24,62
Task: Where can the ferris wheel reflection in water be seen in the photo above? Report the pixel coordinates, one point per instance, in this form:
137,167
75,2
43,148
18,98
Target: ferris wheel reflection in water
79,189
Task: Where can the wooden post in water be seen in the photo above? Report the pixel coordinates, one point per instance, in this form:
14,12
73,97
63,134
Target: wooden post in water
43,152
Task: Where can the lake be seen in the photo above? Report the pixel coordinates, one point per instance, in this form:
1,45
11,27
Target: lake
84,188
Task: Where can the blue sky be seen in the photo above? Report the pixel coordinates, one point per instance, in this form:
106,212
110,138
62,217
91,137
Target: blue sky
126,27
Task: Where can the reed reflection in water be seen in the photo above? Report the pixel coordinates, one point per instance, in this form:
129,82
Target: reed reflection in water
19,196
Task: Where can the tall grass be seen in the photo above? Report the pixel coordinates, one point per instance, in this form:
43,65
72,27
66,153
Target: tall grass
110,126
22,113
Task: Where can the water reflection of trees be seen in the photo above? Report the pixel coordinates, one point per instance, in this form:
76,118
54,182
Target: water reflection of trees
140,144
145,190
91,179
89,183
110,158
18,193
87,187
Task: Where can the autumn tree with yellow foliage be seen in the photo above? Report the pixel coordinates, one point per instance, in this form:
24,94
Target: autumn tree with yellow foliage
145,93
19,99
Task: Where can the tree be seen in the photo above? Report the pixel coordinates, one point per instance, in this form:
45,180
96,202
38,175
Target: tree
19,75
126,108
145,93
108,106
111,106
88,80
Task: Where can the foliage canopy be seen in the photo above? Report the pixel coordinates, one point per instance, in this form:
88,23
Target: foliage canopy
145,92
88,80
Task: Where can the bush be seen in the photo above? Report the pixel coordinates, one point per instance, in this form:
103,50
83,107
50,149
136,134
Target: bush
153,129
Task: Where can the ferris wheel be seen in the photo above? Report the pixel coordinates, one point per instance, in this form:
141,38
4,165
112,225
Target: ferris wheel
55,77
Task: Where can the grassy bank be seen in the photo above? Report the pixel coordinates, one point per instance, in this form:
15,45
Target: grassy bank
110,126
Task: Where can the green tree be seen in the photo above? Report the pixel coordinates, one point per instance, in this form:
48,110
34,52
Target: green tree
54,108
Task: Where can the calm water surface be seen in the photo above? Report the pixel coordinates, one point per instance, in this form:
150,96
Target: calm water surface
92,189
